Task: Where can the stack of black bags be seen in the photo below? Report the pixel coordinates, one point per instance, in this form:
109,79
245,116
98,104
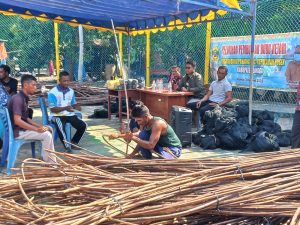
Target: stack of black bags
102,111
228,128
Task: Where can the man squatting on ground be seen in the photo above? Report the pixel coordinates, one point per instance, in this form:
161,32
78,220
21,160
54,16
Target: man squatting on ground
155,135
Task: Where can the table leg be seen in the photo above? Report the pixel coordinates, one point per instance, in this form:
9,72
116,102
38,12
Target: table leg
120,106
109,107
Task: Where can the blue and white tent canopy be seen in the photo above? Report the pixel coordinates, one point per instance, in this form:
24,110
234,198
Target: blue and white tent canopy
128,15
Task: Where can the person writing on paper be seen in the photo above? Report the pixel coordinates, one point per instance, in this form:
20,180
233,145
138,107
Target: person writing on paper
62,104
292,72
155,136
192,82
220,93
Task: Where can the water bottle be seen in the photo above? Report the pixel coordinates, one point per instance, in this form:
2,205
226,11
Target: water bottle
153,85
143,83
43,89
157,84
160,85
170,86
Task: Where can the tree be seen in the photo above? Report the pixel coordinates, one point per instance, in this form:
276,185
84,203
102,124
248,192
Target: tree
33,41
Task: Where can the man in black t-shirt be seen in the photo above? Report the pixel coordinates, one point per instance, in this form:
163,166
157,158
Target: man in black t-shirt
10,84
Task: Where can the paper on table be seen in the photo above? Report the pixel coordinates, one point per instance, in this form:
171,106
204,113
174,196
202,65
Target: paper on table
193,100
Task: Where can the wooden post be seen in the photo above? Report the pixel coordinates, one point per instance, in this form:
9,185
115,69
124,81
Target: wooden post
121,50
80,60
207,52
147,58
57,66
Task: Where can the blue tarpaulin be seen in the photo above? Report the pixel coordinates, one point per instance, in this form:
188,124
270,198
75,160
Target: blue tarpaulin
126,14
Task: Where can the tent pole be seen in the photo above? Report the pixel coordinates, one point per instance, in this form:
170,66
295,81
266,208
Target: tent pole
128,52
121,49
57,65
80,60
148,59
253,12
207,52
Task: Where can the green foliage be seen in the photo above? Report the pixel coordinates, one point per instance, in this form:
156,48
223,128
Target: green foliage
273,16
31,42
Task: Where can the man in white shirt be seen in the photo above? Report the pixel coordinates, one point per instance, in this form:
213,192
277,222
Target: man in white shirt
220,93
62,105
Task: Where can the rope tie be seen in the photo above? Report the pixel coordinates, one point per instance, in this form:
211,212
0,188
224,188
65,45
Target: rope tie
239,170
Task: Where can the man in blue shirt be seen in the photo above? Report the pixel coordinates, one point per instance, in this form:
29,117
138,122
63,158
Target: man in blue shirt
62,104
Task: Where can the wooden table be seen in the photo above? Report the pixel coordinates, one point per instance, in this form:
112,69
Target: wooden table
119,94
160,103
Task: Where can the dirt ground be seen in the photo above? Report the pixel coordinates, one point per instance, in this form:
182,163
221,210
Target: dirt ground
95,142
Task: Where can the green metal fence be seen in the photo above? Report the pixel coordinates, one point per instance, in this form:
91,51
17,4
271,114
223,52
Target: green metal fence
273,16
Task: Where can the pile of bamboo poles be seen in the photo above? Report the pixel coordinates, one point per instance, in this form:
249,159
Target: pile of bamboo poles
85,94
85,189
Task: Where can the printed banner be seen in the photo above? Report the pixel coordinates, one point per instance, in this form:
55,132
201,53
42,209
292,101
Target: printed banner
273,54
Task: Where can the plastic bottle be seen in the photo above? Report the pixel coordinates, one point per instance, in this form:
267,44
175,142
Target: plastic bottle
170,86
153,85
43,89
157,84
143,83
160,85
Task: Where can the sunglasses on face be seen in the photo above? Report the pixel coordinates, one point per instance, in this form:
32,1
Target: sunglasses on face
188,68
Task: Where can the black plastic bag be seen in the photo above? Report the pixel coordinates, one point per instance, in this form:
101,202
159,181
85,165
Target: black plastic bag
264,142
260,116
227,141
209,142
114,107
229,112
257,117
196,137
224,124
270,127
267,115
284,139
101,113
205,141
242,110
241,131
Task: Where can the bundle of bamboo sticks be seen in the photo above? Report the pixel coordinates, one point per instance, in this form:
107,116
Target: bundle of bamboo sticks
85,189
85,94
